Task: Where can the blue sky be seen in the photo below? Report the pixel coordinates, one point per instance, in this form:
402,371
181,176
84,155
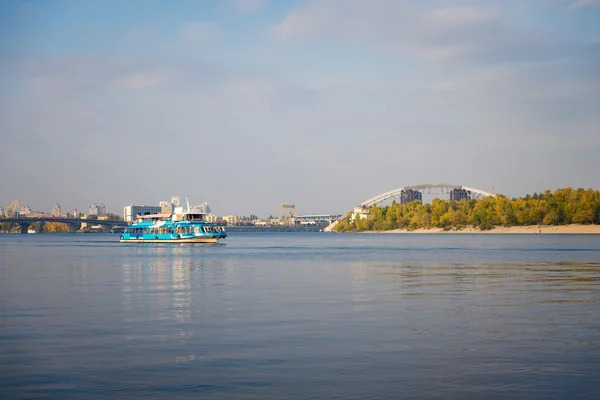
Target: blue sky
247,104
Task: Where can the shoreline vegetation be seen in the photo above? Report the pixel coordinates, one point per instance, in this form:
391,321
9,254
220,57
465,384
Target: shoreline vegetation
573,229
566,211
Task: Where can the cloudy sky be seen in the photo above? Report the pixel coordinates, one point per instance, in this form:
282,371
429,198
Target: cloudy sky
248,104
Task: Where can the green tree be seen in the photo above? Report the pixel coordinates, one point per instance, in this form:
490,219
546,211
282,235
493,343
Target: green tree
113,217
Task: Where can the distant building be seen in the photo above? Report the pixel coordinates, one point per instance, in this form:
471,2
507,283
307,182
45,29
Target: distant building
360,212
25,211
166,207
131,212
56,210
460,194
212,218
96,209
203,208
230,219
408,195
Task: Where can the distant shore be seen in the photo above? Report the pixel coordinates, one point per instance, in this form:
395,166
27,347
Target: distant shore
573,229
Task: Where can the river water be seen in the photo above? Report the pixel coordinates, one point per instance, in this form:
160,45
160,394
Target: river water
301,316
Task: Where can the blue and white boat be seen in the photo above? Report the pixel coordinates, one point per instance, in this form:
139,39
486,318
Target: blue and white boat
190,226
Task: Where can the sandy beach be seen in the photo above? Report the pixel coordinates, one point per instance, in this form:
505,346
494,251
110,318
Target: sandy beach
534,229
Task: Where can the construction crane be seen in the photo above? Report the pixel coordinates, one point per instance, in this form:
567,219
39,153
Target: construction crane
12,210
287,213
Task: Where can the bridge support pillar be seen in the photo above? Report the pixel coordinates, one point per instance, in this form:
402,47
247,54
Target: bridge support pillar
23,228
72,227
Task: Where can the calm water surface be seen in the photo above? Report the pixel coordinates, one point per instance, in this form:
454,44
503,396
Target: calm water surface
274,316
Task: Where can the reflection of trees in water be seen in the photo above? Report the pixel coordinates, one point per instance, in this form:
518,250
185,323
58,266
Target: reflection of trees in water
542,281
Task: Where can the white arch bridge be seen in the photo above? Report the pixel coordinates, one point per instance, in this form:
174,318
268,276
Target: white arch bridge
415,192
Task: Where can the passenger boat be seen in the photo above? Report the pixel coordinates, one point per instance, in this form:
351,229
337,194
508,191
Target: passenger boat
177,227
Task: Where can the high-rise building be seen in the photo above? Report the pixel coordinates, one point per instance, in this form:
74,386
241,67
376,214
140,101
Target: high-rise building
131,212
460,194
408,195
166,207
97,210
202,208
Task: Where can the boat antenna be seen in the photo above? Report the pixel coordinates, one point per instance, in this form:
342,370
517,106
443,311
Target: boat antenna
188,202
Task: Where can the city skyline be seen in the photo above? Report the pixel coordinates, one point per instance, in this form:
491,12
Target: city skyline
247,104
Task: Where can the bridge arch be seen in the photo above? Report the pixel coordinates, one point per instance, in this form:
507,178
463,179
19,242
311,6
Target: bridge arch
457,192
468,191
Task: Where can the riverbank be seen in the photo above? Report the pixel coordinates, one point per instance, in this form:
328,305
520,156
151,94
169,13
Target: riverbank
573,229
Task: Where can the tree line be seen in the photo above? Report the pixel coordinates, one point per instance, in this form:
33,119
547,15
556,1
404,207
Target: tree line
561,207
46,227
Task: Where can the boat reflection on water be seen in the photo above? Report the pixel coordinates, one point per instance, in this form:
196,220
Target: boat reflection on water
167,282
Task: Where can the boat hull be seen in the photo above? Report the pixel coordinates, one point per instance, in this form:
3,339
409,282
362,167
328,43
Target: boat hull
199,240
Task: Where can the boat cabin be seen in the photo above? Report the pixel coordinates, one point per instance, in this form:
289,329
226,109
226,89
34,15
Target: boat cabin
191,216
154,217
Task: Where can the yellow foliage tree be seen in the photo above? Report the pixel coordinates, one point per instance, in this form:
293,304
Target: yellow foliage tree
55,227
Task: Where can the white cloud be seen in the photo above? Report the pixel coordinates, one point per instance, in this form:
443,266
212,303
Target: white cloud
479,32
